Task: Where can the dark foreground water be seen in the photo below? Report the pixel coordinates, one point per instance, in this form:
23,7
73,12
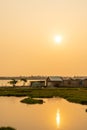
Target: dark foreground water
54,114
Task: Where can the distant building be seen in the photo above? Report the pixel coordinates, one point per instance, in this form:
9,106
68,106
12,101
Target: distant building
84,82
74,82
54,81
66,82
37,84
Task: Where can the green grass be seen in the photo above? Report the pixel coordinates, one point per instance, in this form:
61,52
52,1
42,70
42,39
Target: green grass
6,128
76,95
32,101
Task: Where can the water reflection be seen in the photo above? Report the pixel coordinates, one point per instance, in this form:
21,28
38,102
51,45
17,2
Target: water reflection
58,118
54,114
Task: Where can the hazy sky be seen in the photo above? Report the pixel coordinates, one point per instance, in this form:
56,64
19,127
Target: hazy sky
27,30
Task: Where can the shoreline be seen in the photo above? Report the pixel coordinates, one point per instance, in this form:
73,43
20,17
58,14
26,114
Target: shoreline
75,95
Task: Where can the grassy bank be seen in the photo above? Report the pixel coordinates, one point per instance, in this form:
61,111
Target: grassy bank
7,128
77,95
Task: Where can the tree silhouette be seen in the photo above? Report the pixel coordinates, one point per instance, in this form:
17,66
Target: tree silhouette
13,82
24,81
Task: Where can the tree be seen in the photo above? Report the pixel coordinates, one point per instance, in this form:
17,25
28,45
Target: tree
24,80
13,82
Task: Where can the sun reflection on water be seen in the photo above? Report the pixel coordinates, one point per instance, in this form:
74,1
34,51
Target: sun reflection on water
58,118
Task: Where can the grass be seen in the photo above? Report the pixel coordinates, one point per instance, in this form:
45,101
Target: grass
6,128
76,95
32,101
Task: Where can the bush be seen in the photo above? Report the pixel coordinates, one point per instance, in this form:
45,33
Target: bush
32,101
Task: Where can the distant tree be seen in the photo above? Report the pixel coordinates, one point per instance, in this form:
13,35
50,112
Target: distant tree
24,80
13,82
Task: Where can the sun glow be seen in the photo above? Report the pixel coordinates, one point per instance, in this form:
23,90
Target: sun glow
58,118
58,39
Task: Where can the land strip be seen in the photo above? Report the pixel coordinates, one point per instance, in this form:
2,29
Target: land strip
76,95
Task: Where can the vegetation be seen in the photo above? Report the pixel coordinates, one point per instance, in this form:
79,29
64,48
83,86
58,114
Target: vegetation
77,95
32,101
86,110
13,82
6,128
24,81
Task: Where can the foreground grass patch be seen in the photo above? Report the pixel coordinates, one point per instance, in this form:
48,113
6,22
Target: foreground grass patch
7,128
32,101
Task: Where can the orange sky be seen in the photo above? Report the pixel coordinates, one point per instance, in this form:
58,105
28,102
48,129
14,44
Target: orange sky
27,29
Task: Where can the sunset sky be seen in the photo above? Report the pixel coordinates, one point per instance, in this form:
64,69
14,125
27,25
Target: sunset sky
27,37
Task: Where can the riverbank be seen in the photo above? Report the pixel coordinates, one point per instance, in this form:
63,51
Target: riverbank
76,95
7,128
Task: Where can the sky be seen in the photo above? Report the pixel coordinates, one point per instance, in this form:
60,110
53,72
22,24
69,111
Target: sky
27,31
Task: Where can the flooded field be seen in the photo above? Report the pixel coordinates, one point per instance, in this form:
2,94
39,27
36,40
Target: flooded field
55,113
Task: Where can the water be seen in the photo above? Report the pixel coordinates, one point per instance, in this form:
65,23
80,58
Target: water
54,114
5,83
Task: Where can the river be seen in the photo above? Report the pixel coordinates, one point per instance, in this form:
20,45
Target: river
54,114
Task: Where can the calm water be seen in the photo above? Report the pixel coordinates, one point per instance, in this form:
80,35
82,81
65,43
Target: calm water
54,114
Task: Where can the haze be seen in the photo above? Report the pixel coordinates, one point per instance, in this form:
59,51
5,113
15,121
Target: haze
27,29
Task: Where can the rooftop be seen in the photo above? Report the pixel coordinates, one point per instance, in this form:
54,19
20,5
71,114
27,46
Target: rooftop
55,78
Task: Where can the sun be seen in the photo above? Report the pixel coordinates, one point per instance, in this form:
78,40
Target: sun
57,39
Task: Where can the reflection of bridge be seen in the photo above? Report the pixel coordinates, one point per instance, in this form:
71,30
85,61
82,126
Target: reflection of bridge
24,77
